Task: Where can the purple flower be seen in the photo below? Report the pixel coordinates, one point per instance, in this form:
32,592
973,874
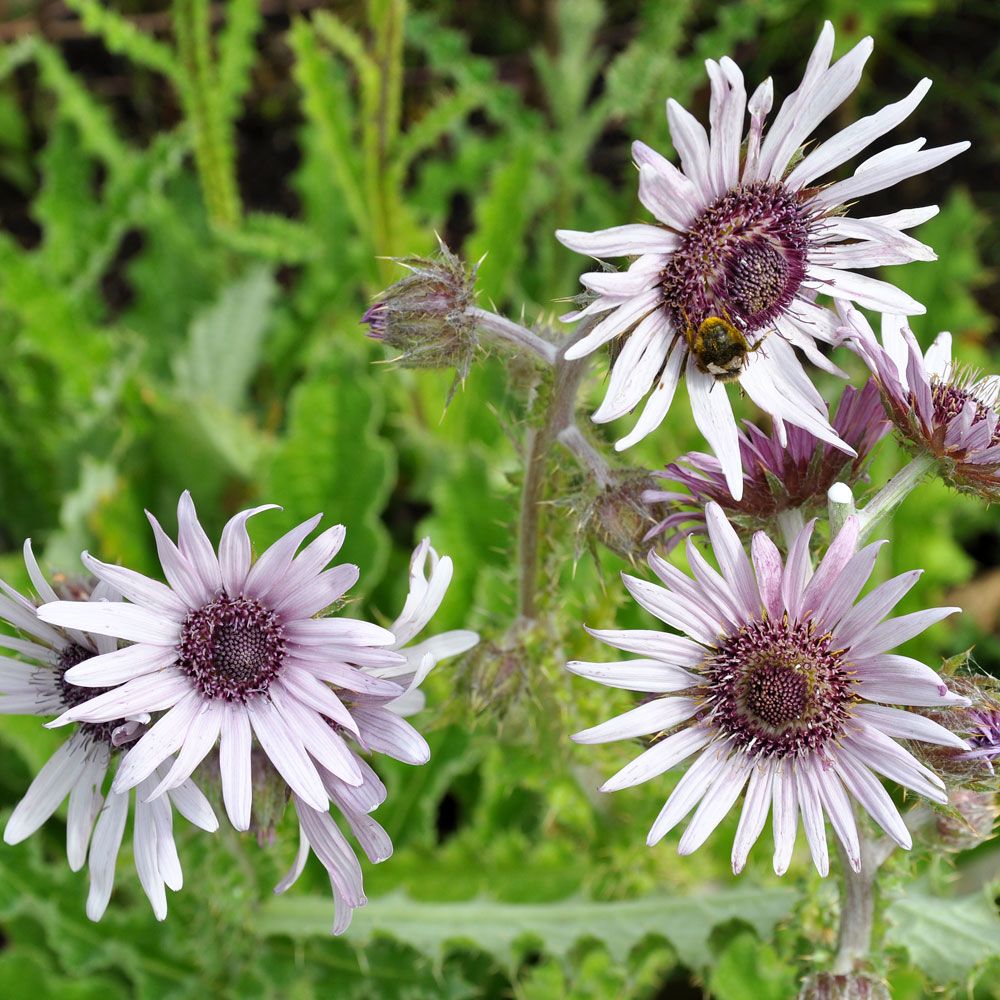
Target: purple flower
940,410
95,821
780,685
776,476
744,241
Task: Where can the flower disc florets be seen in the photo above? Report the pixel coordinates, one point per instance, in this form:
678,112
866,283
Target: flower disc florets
779,688
231,648
744,259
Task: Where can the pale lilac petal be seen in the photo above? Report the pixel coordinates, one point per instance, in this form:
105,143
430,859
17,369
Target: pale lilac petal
678,613
350,631
623,318
121,665
838,808
662,646
195,546
314,694
202,736
50,787
267,572
659,758
85,801
689,791
875,800
842,592
333,851
812,817
350,678
286,752
180,574
838,556
769,571
691,142
785,812
870,293
756,805
653,717
371,836
191,803
620,241
886,757
103,854
149,594
150,693
384,731
234,765
908,725
732,559
144,849
660,398
168,862
873,607
42,586
124,621
659,188
903,681
636,367
425,592
713,415
651,676
298,865
163,738
319,739
798,570
717,802
235,552
317,594
894,631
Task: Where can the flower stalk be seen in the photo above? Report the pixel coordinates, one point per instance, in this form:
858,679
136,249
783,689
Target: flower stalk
893,494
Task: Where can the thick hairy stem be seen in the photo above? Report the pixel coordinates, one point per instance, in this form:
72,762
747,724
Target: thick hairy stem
558,421
893,494
857,908
501,328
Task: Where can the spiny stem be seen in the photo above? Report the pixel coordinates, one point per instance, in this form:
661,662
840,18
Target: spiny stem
577,444
857,908
893,494
513,333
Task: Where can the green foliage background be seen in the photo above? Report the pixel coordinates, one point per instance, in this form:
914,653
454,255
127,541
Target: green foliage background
197,203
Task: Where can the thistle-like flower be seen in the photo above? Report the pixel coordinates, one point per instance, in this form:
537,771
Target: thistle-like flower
724,284
232,650
95,821
941,410
776,477
317,830
782,685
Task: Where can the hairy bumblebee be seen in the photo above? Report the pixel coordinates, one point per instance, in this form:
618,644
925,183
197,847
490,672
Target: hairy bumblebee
719,348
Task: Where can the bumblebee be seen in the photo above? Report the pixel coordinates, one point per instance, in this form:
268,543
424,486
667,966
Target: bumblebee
719,348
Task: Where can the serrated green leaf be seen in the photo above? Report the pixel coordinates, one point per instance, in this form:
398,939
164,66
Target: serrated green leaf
224,342
946,938
331,459
497,927
749,969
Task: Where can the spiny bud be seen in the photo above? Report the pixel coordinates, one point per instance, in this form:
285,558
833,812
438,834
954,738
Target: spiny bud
978,723
970,820
424,315
493,676
618,517
828,986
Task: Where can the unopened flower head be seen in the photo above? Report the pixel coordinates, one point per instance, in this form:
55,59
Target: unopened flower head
424,316
95,821
939,409
776,476
618,516
724,284
780,685
430,576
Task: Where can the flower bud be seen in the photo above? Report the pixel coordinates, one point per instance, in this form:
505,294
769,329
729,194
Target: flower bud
270,797
970,821
619,517
829,986
423,316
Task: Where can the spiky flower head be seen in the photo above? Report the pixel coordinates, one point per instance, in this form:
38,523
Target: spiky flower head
37,684
939,408
777,477
617,515
424,317
845,986
724,284
781,684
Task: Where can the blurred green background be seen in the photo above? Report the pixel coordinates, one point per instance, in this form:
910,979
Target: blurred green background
196,204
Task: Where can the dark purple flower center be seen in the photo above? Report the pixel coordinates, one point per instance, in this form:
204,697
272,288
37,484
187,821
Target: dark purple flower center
73,695
950,399
743,260
778,688
231,648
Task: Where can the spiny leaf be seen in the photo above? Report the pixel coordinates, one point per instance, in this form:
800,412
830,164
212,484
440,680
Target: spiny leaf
274,238
124,38
946,938
496,927
237,53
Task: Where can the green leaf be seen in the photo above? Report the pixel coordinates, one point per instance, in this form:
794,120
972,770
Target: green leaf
749,969
946,938
497,927
237,53
224,342
331,459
